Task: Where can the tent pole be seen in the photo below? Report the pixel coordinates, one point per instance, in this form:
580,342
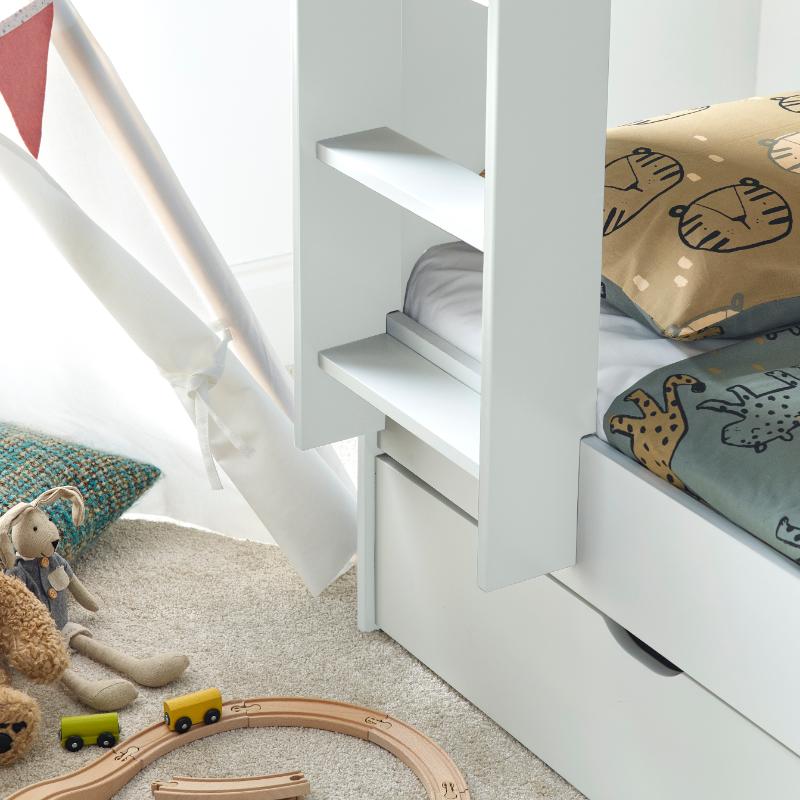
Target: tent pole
124,125
114,109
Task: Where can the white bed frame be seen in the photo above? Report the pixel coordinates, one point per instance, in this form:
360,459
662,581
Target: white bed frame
500,541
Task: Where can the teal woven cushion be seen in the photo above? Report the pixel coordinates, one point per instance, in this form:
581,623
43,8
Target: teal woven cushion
31,463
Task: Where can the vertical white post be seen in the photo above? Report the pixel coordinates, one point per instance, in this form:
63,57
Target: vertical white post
347,239
546,119
368,451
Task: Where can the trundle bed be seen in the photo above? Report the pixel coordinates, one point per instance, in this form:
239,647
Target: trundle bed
629,635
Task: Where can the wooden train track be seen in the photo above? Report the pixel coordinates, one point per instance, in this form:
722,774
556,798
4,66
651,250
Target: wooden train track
287,786
103,778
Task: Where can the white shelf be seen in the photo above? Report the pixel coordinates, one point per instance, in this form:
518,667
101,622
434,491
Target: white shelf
429,185
482,3
403,385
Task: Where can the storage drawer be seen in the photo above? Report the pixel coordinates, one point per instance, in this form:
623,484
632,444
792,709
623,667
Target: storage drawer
547,667
722,604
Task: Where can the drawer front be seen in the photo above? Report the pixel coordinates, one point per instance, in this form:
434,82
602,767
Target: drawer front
457,485
546,666
718,601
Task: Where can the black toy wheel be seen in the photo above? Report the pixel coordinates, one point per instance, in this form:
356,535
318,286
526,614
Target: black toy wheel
211,716
106,740
183,724
73,744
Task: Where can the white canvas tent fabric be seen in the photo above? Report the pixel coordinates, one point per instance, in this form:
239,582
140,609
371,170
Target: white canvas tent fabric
72,356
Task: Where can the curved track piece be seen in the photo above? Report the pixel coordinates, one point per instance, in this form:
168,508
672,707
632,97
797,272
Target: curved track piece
286,786
102,778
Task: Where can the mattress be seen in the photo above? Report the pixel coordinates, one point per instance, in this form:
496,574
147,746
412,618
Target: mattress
444,294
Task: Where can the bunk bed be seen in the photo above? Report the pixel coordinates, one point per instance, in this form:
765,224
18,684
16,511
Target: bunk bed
625,632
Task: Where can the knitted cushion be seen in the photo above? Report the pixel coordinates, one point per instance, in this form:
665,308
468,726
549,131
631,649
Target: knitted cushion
31,463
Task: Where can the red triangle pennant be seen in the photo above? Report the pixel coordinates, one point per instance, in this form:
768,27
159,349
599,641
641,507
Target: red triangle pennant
24,45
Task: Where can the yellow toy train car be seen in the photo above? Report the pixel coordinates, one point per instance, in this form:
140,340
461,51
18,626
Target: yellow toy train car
99,729
180,713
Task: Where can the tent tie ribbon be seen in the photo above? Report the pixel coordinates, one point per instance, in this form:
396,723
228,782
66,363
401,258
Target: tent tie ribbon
196,387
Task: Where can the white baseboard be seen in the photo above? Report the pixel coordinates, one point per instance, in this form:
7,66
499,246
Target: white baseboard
265,271
267,282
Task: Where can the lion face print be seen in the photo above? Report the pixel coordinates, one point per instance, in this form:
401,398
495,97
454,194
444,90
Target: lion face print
785,151
738,217
788,533
675,115
633,181
789,103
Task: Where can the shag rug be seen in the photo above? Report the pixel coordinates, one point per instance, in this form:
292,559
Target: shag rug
251,629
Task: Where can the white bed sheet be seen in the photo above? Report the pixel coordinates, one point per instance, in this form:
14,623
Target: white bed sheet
444,294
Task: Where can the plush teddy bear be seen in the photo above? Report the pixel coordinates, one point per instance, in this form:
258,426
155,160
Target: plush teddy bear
30,643
30,555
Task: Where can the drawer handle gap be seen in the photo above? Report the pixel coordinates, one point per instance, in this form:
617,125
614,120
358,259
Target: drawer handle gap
641,651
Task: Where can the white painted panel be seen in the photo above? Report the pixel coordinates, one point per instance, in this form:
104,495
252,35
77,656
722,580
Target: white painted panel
541,279
433,405
347,240
778,64
409,174
717,600
673,54
546,667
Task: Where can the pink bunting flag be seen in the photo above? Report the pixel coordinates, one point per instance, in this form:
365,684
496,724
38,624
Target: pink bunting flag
24,45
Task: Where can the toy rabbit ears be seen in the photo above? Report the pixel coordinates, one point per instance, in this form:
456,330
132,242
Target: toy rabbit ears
64,493
15,513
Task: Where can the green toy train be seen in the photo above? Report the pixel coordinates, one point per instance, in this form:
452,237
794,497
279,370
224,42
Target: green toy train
99,729
180,713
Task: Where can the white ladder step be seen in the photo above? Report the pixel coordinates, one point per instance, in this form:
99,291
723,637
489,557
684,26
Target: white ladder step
403,385
429,185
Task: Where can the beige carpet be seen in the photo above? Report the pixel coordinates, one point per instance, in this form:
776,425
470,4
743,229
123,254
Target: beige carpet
250,628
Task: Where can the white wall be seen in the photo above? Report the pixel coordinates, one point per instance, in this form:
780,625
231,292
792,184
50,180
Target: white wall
673,54
214,83
779,57
213,80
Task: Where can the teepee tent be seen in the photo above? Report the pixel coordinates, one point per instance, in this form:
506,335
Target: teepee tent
127,311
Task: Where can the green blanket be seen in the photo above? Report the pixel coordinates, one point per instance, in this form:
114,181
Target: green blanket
725,427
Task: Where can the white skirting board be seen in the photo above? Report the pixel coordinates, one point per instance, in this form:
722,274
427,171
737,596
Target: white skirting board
267,282
545,665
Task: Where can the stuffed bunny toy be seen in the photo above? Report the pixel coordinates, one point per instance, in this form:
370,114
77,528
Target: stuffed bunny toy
28,543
